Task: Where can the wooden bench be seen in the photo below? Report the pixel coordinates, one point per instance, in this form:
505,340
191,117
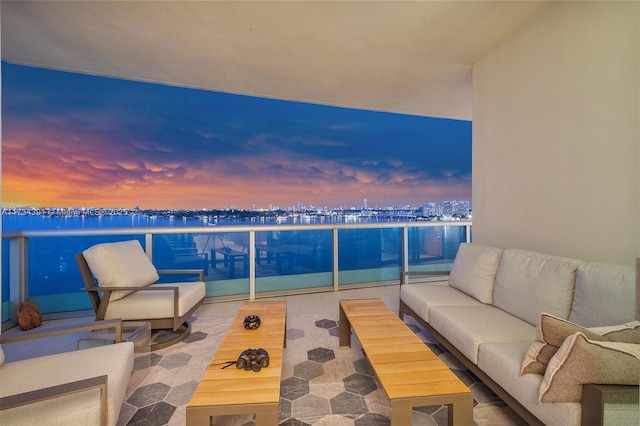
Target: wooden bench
410,374
237,391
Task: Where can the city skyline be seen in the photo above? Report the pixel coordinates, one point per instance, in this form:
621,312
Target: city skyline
73,140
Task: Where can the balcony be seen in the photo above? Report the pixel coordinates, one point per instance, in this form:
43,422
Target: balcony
240,262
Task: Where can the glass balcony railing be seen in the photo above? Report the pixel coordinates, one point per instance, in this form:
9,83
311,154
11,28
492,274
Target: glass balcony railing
242,262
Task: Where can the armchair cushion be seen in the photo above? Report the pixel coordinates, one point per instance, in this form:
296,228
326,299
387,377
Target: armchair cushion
120,264
154,304
115,361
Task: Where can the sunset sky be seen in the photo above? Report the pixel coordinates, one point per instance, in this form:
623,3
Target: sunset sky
76,140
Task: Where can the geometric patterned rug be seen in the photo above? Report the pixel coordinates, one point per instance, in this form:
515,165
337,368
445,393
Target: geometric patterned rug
323,384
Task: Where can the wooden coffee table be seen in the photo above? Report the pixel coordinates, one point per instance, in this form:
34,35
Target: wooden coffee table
237,391
409,372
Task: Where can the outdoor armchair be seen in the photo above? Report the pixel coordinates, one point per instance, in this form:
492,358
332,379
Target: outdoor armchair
81,387
119,278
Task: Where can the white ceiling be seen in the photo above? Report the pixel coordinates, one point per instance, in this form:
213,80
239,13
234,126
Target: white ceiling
411,57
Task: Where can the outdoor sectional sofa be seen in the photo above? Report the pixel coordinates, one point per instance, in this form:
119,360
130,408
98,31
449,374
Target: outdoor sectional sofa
515,318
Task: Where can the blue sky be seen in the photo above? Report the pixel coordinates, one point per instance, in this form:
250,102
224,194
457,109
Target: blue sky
76,140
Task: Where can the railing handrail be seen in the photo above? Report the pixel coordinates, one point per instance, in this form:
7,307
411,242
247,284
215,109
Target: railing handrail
58,232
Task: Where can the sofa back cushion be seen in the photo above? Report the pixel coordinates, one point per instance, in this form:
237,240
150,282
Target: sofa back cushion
604,295
121,264
474,270
529,283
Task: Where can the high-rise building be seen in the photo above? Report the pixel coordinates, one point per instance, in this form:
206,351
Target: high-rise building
455,208
429,210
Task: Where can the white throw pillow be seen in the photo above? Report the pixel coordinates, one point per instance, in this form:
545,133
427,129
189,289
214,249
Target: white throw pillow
121,264
474,270
1,356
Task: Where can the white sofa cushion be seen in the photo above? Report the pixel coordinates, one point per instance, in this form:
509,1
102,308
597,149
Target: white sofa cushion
156,304
594,302
115,361
529,283
502,361
421,297
474,270
466,327
121,264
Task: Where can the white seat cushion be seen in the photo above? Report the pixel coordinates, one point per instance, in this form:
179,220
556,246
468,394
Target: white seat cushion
115,361
466,327
502,362
121,264
154,304
421,297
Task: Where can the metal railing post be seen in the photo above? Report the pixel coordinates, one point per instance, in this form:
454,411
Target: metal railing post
336,273
252,265
405,249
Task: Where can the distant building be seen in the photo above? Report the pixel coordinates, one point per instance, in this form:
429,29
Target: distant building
455,208
429,210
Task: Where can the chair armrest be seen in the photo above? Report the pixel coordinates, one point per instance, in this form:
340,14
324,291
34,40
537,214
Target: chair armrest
26,398
37,333
404,275
182,272
594,398
108,290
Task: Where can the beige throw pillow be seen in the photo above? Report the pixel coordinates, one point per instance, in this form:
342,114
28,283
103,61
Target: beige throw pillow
550,335
627,333
580,360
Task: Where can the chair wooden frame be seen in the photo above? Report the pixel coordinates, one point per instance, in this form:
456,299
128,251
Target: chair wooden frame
100,296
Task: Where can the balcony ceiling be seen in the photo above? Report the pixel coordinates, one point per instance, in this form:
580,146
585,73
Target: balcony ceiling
395,56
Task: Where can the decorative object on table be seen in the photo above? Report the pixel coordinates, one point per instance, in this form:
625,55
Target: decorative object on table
251,322
29,315
253,359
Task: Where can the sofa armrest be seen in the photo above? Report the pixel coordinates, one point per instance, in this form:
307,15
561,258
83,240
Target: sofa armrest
404,276
595,397
37,333
26,398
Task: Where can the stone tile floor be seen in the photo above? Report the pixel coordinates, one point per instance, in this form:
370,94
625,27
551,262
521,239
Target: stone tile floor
323,384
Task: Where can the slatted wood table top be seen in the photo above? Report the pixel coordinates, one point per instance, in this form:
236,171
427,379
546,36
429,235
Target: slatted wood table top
410,373
237,391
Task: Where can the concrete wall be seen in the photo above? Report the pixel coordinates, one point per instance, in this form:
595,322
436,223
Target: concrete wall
556,135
